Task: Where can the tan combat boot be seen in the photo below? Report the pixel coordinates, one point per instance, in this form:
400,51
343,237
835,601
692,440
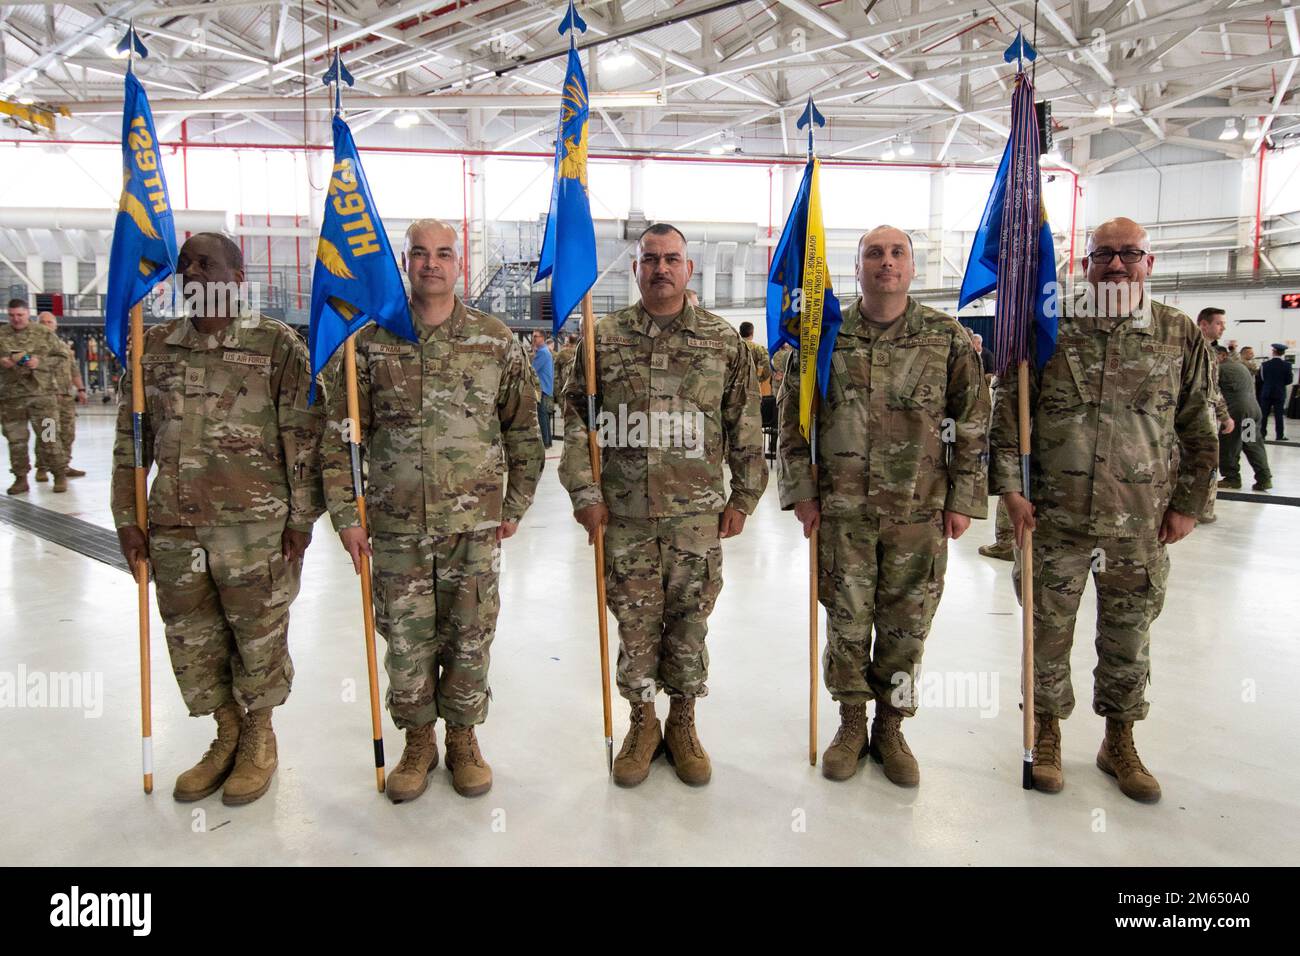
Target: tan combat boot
60,483
207,776
889,749
255,761
840,761
1002,552
419,757
470,774
1047,754
1118,757
42,475
643,743
685,752
19,487
75,472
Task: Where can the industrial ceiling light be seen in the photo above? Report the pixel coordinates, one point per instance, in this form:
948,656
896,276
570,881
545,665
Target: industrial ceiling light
1123,102
1105,110
906,148
725,144
888,154
619,56
1229,130
406,119
1252,128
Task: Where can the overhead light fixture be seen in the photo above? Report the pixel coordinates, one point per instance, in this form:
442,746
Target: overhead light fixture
1105,110
110,49
618,57
1229,130
725,144
1124,102
906,148
25,101
1252,128
406,119
888,154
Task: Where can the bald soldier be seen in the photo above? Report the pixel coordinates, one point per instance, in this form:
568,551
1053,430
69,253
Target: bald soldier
70,391
450,433
901,469
29,383
231,508
677,395
1123,449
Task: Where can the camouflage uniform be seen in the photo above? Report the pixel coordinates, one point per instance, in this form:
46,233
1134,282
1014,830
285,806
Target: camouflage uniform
450,434
762,366
563,366
1237,386
663,560
901,438
1116,400
236,447
67,407
31,395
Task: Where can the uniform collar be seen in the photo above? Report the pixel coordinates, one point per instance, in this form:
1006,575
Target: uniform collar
451,328
185,335
686,320
855,323
1126,323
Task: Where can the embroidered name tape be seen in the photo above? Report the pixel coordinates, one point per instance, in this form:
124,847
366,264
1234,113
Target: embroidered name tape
375,348
243,358
706,343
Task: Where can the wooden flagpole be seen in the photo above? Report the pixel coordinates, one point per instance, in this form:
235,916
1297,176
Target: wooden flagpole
141,570
1026,586
367,605
593,449
813,609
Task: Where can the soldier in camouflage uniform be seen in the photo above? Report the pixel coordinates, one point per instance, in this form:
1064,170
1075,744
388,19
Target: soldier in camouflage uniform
68,376
29,383
1237,386
1210,322
563,368
231,509
677,394
901,441
1128,385
450,432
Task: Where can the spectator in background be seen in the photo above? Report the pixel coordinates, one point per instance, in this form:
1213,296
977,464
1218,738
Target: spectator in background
68,376
544,366
1275,375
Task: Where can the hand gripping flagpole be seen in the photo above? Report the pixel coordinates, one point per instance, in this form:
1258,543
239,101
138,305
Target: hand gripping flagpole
812,118
336,76
573,24
130,45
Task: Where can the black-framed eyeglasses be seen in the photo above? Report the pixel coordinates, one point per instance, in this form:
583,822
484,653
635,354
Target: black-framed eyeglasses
1103,256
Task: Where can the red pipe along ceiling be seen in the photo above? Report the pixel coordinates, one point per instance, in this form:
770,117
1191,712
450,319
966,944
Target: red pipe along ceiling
538,154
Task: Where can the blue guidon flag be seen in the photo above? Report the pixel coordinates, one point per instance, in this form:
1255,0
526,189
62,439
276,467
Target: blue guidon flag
1013,251
568,253
356,279
144,235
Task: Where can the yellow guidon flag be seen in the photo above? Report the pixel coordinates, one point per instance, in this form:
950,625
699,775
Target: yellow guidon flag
816,282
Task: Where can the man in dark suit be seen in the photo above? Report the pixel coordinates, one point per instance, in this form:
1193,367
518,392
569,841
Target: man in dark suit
1276,375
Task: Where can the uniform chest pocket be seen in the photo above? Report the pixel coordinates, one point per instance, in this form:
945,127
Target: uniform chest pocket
393,385
475,374
164,390
1070,378
1153,379
850,375
246,393
917,378
616,382
704,375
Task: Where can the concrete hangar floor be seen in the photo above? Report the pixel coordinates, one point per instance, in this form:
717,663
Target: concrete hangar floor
1220,737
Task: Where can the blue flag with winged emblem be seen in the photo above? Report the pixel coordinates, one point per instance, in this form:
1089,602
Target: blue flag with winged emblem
144,236
356,279
568,253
